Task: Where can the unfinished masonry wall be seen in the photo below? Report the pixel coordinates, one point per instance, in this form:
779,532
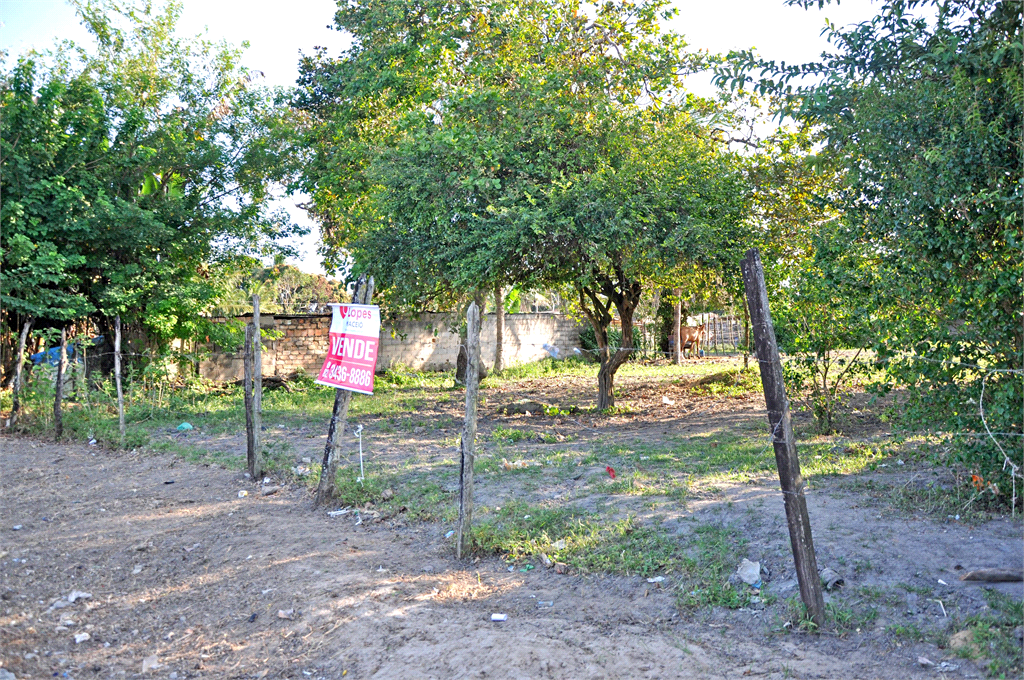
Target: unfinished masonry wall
423,343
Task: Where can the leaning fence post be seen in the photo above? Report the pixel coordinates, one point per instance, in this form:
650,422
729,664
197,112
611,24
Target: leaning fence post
464,542
782,437
332,450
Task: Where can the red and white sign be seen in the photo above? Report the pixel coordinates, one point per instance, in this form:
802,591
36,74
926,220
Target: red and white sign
352,354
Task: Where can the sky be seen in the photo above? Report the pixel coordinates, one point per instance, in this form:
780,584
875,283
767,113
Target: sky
278,32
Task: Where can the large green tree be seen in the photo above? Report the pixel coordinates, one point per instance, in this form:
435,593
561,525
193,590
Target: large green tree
528,142
127,169
921,112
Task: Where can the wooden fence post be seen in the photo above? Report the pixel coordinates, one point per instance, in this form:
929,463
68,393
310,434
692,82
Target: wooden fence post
499,329
332,451
782,437
677,324
18,367
58,419
464,541
117,378
256,463
250,432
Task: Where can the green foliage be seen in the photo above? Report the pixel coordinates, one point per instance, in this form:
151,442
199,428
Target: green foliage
127,169
509,435
506,146
282,288
920,109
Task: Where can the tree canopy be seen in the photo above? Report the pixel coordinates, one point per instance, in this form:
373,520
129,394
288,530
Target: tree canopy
127,170
519,143
920,109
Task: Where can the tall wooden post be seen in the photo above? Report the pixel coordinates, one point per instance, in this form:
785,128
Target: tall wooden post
332,451
256,464
117,377
782,437
677,325
499,329
58,420
464,542
746,335
19,362
250,432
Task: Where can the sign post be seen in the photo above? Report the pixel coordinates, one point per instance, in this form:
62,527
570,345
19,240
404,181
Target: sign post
349,366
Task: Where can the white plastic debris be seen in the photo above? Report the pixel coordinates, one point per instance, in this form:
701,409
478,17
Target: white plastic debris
286,614
243,493
656,579
78,595
81,637
499,617
750,572
667,401
338,513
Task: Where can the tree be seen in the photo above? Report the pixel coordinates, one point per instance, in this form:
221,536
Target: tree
921,110
128,169
495,143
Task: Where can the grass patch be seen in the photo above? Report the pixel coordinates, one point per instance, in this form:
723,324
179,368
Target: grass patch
702,561
711,558
509,436
994,638
736,382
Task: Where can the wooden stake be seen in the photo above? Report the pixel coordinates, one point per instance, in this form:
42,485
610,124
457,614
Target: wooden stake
499,330
18,365
464,542
782,437
256,469
117,377
677,324
250,432
58,420
332,451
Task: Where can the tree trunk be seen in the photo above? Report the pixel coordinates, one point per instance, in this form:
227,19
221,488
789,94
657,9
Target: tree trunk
464,541
58,420
325,489
117,378
499,330
677,322
625,296
19,361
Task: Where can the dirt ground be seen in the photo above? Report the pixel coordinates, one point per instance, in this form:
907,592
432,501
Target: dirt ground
179,567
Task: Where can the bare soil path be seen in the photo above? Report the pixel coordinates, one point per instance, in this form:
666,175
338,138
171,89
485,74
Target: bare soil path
179,567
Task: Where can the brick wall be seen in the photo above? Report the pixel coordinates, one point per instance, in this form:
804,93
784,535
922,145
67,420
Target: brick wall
423,343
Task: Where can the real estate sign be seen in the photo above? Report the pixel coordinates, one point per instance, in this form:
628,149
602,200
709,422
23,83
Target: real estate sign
352,354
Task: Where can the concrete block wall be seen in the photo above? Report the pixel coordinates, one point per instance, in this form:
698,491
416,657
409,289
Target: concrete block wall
424,343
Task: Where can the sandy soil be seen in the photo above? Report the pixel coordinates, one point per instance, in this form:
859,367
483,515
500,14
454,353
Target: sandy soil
179,567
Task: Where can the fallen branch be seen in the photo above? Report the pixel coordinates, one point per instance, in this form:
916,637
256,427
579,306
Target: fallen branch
994,575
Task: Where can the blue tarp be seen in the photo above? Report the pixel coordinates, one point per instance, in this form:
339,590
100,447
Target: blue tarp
52,355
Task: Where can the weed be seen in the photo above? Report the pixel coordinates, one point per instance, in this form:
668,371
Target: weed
509,436
993,635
